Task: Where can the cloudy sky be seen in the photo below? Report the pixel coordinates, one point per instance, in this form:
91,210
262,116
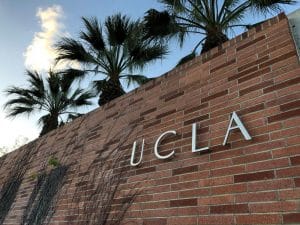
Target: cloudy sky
30,28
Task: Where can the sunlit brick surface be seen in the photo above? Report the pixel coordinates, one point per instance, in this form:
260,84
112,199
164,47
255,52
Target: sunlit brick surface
257,75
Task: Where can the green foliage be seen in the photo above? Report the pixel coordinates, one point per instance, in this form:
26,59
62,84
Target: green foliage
53,161
113,50
33,176
12,182
39,179
42,198
8,194
53,95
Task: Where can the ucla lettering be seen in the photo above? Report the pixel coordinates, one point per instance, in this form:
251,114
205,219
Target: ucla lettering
234,123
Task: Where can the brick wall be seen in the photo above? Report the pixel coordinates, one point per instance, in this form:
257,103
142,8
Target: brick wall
244,182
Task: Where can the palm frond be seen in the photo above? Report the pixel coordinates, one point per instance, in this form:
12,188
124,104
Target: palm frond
17,110
118,28
135,79
186,58
142,55
74,116
35,80
83,99
17,91
174,5
70,49
57,98
68,77
23,97
233,16
250,26
53,81
211,18
120,49
268,6
162,25
24,101
93,34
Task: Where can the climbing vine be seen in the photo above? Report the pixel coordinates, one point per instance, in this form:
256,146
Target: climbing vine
40,178
42,201
106,183
42,197
103,180
2,159
13,181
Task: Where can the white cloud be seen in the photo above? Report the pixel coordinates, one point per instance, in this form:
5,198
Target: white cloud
14,131
40,54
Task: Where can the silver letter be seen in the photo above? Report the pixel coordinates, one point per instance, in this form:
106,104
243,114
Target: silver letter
194,140
239,125
158,142
132,163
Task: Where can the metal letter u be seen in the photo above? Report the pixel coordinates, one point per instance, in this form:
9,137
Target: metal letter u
132,163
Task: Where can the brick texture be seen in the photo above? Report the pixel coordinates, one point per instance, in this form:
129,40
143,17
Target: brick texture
244,182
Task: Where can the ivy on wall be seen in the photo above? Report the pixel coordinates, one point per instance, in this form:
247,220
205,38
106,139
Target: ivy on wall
13,181
43,195
103,180
105,183
44,191
36,189
2,159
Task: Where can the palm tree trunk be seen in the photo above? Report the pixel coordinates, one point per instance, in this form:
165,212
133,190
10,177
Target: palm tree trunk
111,90
50,124
212,40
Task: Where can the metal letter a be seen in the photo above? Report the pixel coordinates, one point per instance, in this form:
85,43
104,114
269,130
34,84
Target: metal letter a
239,125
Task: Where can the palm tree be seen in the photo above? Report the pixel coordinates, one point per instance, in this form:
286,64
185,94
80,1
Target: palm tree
114,52
212,19
53,95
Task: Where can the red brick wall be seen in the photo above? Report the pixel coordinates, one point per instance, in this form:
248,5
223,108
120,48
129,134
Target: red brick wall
245,182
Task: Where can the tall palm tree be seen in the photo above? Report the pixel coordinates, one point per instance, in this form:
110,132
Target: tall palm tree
212,19
53,95
114,51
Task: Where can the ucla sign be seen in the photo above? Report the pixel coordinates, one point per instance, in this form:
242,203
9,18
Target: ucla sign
234,123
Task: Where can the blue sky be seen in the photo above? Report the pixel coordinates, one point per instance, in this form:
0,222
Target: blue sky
21,27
